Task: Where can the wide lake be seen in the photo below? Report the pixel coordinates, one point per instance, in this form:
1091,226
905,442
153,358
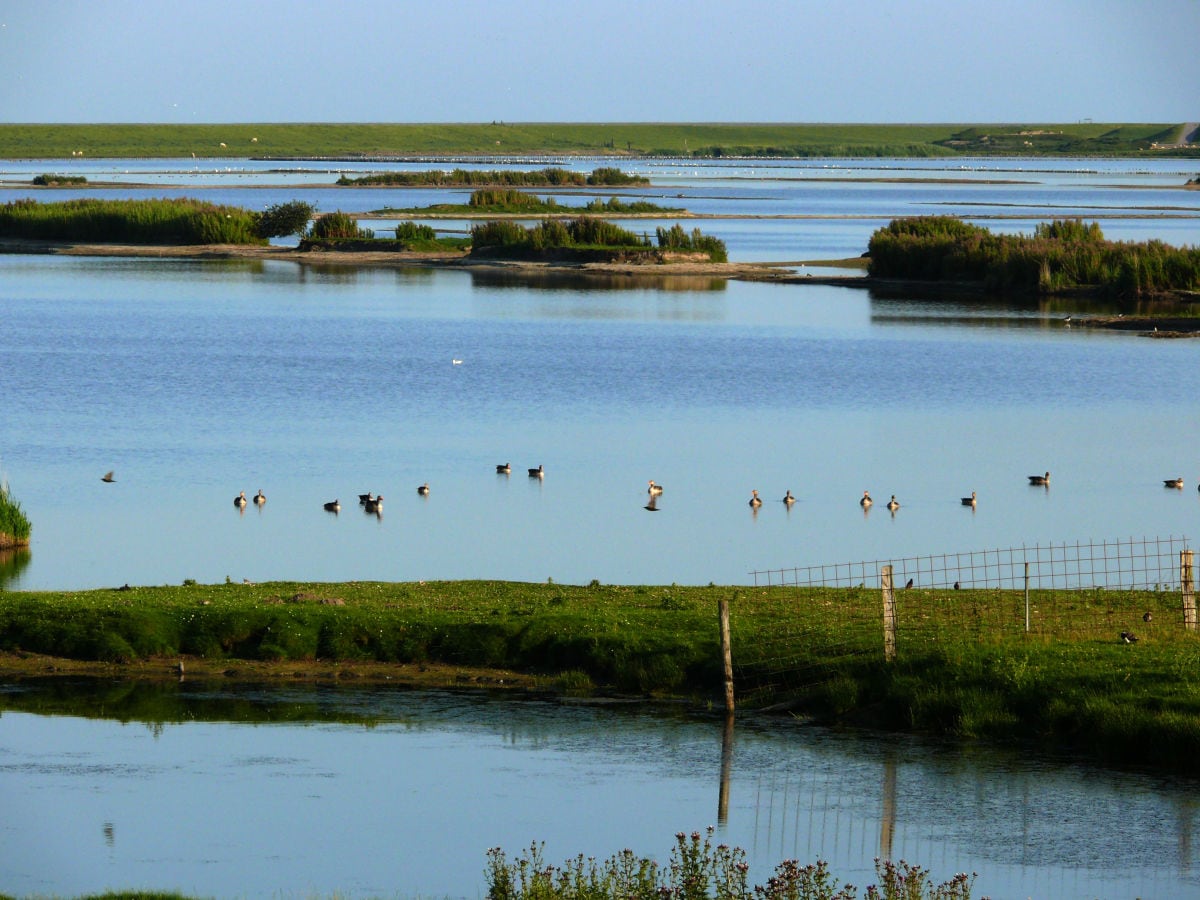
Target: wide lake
194,380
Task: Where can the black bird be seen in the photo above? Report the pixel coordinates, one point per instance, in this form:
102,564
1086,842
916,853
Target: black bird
374,506
108,478
755,501
504,469
956,586
423,490
1040,479
788,498
539,472
260,498
368,497
1128,637
1173,482
969,501
909,583
240,500
332,506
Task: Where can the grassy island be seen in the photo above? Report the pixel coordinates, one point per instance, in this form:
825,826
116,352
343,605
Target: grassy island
181,221
456,178
508,201
1065,256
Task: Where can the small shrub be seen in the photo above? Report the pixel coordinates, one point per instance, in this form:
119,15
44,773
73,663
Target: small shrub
336,226
283,219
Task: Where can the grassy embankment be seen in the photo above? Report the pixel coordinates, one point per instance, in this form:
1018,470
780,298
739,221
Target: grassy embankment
965,667
350,140
605,176
15,527
1064,256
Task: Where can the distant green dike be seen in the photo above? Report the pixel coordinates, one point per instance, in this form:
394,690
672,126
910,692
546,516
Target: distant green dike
964,668
700,140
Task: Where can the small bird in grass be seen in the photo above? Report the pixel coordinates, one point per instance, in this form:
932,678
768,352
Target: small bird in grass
240,500
654,489
866,500
1040,479
108,478
504,469
332,506
969,501
755,500
423,490
260,498
1147,617
893,504
909,584
1128,637
1173,482
788,498
539,472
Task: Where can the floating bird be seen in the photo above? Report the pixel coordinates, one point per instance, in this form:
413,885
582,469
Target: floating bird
909,583
893,504
1173,482
754,499
1147,617
333,506
260,498
423,490
1040,479
654,488
969,501
504,469
866,500
539,472
108,478
374,506
366,498
240,500
788,498
456,362
1128,637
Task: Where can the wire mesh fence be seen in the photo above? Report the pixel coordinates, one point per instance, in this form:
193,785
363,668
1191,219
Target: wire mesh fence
1118,590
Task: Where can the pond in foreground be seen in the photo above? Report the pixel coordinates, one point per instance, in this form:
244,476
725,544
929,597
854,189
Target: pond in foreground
381,792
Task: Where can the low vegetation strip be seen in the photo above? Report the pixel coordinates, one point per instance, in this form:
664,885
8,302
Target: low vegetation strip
166,221
1086,691
548,177
1060,257
381,140
586,234
508,201
15,527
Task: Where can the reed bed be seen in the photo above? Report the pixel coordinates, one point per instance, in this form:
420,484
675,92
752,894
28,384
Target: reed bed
589,232
162,221
15,527
1061,256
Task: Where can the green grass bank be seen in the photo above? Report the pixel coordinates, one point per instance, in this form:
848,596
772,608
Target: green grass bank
701,140
965,668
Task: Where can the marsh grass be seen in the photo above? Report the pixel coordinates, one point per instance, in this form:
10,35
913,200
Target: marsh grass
15,527
588,233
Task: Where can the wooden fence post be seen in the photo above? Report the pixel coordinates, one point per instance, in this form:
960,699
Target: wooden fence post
726,653
1027,598
889,614
1187,586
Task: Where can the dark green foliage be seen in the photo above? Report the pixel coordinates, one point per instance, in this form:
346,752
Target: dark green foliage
677,240
606,176
1060,256
283,219
14,524
411,233
166,221
58,180
490,198
613,206
336,226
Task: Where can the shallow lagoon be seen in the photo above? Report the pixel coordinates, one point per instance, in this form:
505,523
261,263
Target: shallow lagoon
299,791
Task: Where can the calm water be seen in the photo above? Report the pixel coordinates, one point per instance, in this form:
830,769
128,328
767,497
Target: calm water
297,792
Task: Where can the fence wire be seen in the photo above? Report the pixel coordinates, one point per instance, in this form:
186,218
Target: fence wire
831,614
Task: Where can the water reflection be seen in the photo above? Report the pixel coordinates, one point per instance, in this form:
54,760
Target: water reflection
12,562
526,279
428,780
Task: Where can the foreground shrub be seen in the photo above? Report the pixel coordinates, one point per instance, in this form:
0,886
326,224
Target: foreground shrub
283,219
336,226
699,871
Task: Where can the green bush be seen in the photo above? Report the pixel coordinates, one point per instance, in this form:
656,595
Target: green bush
608,175
411,232
337,226
49,180
283,219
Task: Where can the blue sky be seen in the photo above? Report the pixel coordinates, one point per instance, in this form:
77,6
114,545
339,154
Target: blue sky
585,60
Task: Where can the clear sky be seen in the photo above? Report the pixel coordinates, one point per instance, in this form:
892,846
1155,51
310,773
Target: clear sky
599,61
